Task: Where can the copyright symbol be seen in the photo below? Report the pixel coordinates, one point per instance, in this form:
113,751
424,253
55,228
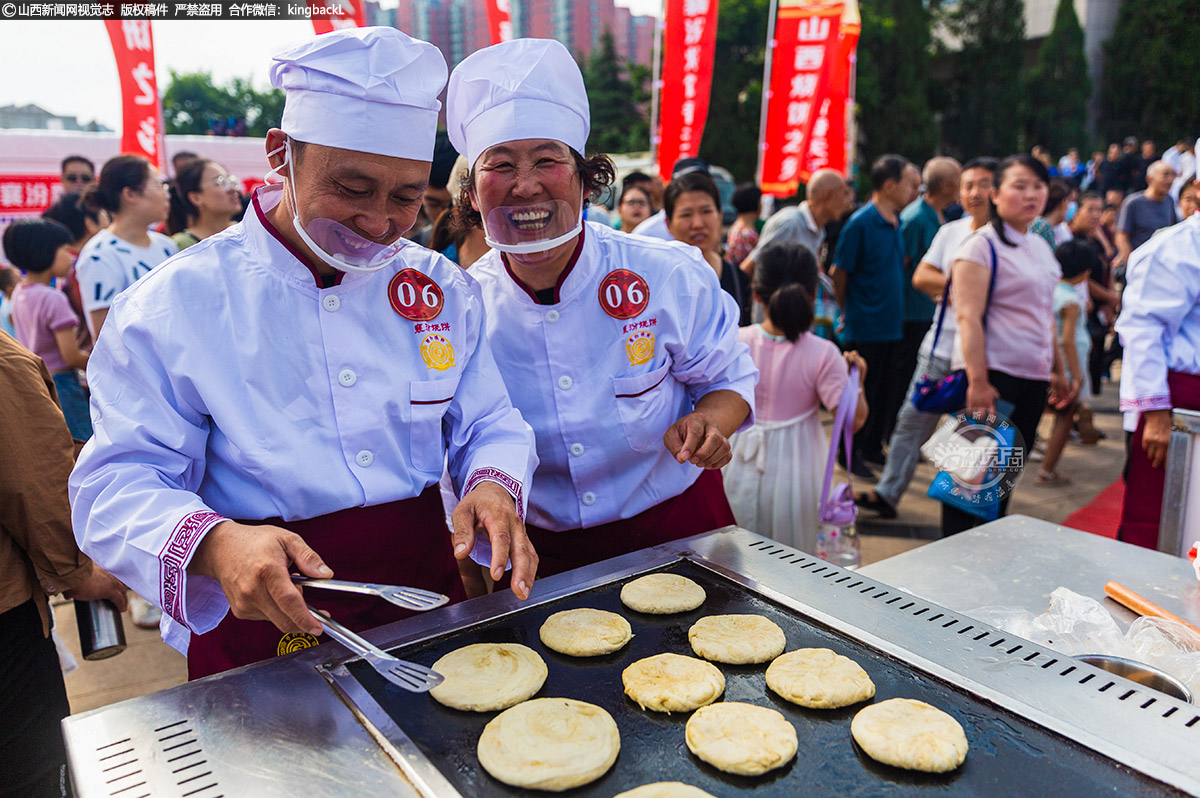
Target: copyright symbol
8,10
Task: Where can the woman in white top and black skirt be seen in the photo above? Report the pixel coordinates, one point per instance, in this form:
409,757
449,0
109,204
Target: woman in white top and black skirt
1012,357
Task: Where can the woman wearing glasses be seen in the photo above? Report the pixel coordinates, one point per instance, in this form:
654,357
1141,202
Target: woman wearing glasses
134,194
204,200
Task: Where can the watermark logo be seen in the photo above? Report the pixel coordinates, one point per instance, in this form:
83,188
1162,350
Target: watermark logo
980,456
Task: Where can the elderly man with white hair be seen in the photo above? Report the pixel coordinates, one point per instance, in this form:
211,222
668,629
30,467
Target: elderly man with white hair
1144,212
619,350
283,396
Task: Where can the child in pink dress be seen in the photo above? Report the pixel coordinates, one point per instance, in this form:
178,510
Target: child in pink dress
774,480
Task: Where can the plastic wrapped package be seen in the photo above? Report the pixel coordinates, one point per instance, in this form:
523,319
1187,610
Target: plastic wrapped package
1076,624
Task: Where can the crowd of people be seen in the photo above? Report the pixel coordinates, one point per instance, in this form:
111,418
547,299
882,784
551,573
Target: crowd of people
533,381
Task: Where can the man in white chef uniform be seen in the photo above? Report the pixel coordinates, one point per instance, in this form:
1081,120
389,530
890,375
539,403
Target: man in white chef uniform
282,396
620,351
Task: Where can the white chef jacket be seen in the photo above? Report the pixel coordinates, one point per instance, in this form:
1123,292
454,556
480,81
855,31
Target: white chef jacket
1159,323
600,391
233,386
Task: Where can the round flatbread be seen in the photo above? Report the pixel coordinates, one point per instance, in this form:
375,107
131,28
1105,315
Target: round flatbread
741,738
673,683
488,676
549,744
737,639
662,594
910,734
819,678
665,789
585,632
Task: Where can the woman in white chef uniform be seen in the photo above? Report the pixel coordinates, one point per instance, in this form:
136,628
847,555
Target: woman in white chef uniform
620,351
282,396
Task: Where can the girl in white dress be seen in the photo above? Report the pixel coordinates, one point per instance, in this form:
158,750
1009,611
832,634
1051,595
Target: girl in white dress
774,480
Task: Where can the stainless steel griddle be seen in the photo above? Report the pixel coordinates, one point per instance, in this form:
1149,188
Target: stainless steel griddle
316,724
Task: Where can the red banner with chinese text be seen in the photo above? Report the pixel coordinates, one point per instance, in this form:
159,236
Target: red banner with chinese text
349,14
828,138
499,18
28,194
802,65
688,44
141,111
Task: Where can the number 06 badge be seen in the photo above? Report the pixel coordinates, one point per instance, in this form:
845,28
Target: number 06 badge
623,294
415,296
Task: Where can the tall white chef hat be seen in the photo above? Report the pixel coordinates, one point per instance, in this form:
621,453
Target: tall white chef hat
367,89
520,89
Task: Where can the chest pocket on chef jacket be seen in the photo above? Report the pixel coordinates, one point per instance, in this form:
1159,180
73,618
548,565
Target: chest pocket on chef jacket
430,400
644,403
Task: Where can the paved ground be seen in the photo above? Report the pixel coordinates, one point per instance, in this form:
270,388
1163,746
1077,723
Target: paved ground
149,665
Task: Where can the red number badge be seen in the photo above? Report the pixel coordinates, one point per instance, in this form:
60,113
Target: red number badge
624,294
415,296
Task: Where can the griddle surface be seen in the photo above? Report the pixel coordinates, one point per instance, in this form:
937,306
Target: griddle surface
1008,754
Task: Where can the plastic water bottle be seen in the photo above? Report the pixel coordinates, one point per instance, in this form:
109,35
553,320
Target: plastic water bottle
822,547
844,547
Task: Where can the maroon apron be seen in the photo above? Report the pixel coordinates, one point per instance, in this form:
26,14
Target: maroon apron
701,508
1144,484
399,543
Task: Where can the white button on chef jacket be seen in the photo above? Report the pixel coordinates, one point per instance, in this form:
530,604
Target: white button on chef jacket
217,394
620,405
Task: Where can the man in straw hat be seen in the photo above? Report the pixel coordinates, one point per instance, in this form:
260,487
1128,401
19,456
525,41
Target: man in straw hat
620,351
283,396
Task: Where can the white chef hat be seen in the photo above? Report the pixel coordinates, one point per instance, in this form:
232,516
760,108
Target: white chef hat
520,89
367,89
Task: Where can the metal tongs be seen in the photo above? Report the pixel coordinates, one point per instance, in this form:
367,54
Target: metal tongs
405,675
410,598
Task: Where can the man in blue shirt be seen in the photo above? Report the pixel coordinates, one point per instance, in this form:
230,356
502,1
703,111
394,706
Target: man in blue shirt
868,279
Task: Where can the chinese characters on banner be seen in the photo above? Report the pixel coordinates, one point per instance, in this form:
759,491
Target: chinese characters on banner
810,81
141,112
350,14
689,41
28,194
499,19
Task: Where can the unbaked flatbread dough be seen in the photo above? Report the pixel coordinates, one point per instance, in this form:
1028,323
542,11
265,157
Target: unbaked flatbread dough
585,632
549,744
819,678
662,594
665,789
741,738
910,734
737,639
673,683
488,676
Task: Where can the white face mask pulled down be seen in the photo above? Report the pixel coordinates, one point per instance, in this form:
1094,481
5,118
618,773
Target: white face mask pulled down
331,241
526,229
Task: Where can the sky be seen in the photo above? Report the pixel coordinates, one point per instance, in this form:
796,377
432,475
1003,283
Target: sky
68,69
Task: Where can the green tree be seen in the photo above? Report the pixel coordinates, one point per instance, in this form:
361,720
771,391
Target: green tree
893,83
731,131
986,94
619,120
192,103
1150,67
1058,86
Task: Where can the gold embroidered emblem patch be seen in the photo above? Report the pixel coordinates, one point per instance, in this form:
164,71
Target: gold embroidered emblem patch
437,352
639,347
295,641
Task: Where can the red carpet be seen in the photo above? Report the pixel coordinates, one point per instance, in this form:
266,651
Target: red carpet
1103,515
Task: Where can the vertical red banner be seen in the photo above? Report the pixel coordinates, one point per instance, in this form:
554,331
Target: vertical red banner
141,111
499,18
352,15
799,103
827,140
688,46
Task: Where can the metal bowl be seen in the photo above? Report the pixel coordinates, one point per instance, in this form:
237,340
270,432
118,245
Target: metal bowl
1141,673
